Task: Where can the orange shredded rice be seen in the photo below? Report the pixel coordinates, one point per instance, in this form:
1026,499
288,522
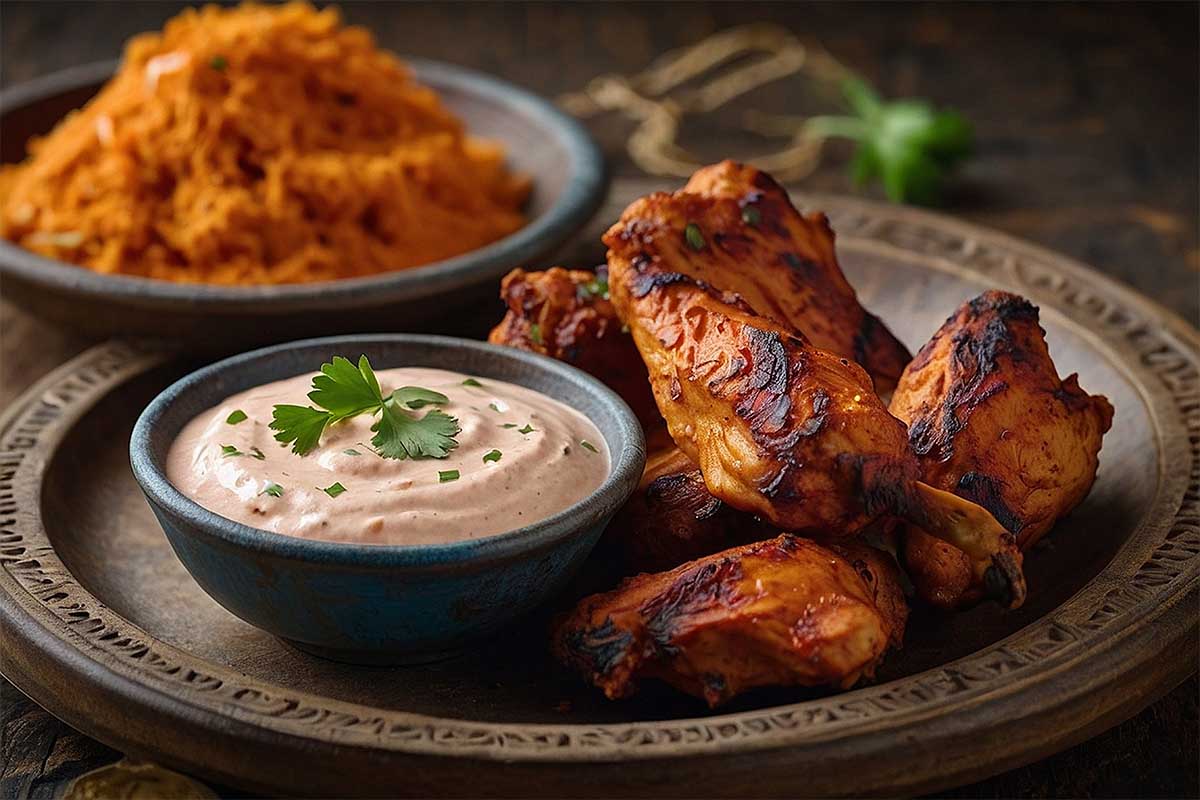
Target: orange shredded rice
259,145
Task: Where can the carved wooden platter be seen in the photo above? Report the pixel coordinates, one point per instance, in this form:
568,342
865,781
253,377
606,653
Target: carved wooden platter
102,626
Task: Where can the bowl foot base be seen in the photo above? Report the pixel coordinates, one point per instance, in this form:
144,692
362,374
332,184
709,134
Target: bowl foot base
375,658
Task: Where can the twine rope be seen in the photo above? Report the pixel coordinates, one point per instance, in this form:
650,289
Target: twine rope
658,98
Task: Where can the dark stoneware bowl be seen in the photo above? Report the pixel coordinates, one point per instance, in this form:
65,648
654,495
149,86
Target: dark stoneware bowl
569,183
382,603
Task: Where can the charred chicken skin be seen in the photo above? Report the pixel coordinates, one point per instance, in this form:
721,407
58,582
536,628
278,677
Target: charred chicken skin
783,264
672,518
783,612
566,314
991,421
779,428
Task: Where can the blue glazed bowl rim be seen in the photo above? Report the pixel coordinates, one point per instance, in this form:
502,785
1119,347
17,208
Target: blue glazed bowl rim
627,450
579,199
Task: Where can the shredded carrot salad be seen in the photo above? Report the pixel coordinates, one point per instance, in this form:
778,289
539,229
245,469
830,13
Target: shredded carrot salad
259,145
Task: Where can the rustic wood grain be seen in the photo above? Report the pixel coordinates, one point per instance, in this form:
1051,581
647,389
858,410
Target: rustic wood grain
1087,122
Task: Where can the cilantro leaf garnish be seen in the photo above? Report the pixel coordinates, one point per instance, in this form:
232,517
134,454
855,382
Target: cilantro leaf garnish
400,436
344,390
584,443
299,425
415,397
694,236
236,416
259,454
228,450
472,382
447,476
351,452
907,144
509,425
334,490
527,429
273,489
493,455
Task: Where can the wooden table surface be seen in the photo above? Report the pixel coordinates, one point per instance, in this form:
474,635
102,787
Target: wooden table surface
1087,125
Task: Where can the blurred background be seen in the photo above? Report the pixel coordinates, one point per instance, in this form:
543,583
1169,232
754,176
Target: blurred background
1086,125
1086,116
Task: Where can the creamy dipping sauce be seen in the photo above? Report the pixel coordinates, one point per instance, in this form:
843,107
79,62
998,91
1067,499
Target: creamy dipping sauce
550,457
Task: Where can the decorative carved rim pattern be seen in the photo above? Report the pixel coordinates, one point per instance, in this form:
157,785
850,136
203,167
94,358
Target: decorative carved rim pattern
1156,567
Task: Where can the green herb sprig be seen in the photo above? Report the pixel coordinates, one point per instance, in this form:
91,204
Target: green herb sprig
907,144
343,390
596,287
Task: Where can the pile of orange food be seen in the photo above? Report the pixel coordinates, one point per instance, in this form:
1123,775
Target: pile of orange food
259,145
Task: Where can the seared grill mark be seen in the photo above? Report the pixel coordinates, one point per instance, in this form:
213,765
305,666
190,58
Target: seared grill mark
733,368
928,435
669,489
806,267
820,405
977,347
1007,307
977,353
713,584
645,283
766,403
884,482
601,648
983,490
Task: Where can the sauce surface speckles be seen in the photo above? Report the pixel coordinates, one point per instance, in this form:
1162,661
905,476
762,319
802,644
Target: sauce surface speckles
542,467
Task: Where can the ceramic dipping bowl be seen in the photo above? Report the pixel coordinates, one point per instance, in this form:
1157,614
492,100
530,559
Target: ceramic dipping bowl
382,603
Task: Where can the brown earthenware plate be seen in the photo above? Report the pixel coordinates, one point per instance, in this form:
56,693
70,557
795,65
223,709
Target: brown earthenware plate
103,626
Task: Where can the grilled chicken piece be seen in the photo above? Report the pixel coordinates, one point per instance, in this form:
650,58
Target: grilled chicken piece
780,429
991,421
566,314
672,518
782,262
782,612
